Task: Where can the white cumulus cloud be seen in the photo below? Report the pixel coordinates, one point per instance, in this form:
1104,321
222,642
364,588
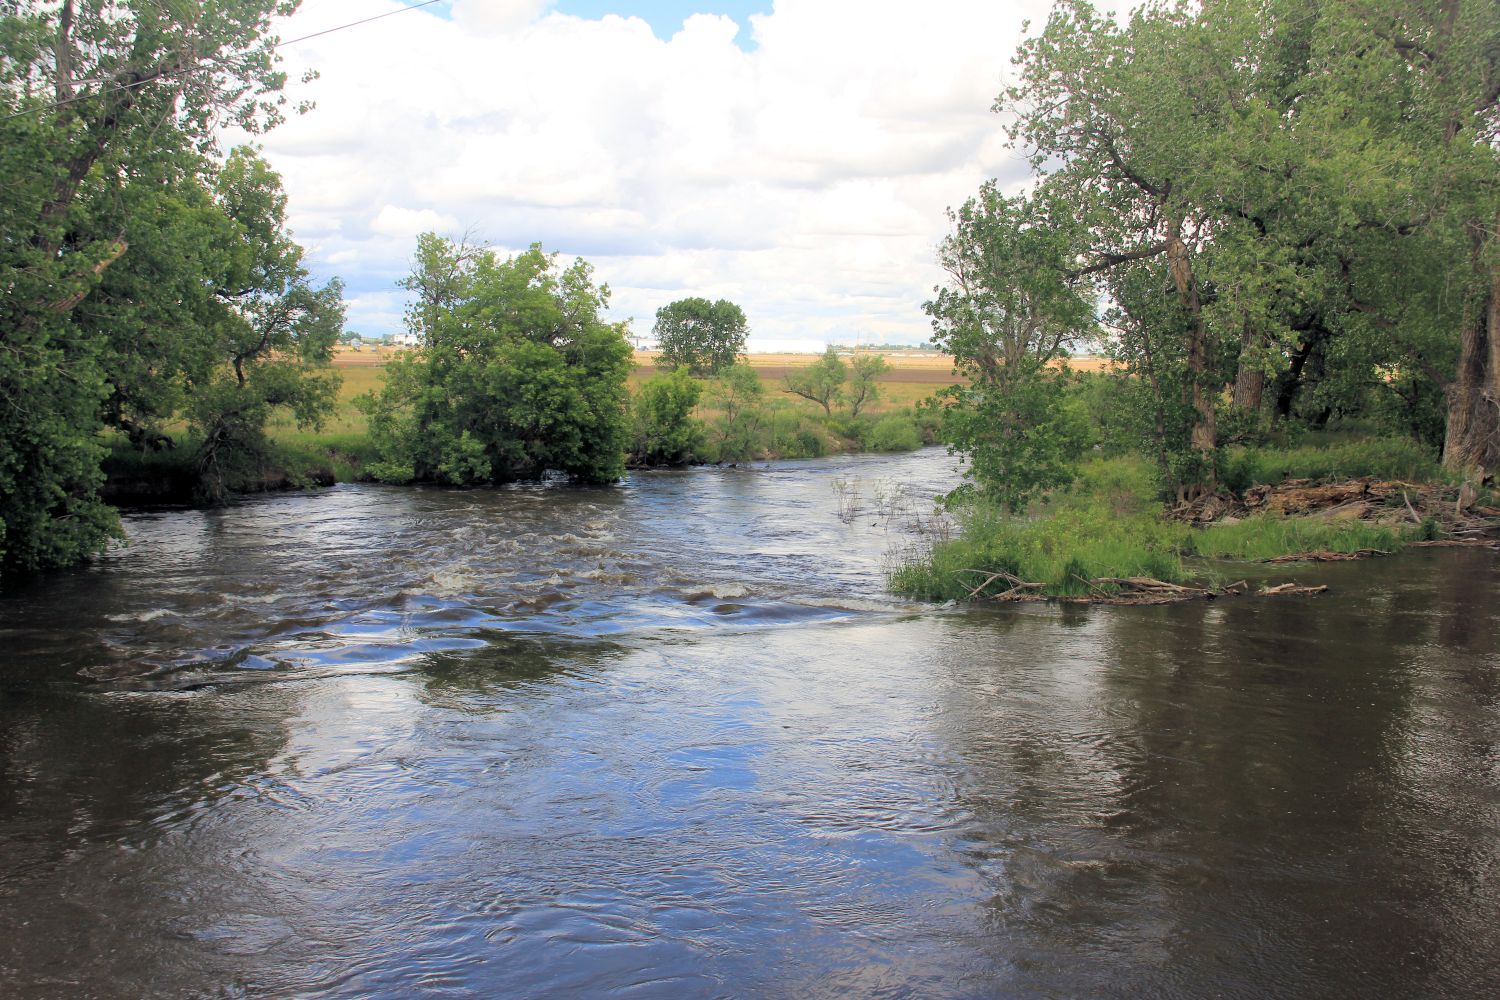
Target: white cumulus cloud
806,178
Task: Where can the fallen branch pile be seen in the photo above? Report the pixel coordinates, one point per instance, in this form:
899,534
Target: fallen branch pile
1121,590
1453,510
1326,555
1292,589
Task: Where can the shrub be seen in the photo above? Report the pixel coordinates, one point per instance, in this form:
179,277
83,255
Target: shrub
894,432
736,432
519,375
663,428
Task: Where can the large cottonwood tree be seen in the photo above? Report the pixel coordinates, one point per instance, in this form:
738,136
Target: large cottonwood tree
1292,199
115,263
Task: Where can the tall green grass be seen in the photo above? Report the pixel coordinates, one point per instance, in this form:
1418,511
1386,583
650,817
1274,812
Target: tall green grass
1382,458
1106,526
1109,524
1268,536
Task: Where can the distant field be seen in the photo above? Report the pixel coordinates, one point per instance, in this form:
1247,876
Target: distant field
913,375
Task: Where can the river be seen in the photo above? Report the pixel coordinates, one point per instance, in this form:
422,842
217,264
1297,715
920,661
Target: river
672,739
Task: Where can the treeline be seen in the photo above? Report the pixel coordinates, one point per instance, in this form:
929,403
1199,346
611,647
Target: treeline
150,287
518,376
1291,209
731,417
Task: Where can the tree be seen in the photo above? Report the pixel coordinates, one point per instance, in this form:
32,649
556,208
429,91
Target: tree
108,113
273,334
705,337
517,375
1115,119
737,393
1320,182
821,382
1008,311
864,381
1421,86
665,431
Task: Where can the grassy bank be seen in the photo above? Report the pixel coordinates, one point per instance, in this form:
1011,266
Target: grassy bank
780,426
1110,526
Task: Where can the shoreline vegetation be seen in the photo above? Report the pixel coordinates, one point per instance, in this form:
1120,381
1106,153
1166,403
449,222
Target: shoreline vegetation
1278,223
1110,538
779,425
1107,537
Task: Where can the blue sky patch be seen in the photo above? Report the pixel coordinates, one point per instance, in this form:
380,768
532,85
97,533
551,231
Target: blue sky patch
666,16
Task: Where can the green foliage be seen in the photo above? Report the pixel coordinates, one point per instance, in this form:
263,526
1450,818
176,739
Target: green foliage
1006,314
894,432
737,395
518,375
1084,538
1408,403
1323,179
1109,525
1110,402
1382,458
1008,300
119,240
821,382
1020,433
705,337
665,432
789,431
1268,536
864,381
271,341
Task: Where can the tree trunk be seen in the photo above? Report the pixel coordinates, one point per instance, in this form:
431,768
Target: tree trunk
1314,332
1250,380
1204,431
1472,440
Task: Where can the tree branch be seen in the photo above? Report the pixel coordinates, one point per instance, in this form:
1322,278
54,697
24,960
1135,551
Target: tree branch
1109,260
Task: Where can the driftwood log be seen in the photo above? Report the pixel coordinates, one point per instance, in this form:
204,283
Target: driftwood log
1120,590
1290,589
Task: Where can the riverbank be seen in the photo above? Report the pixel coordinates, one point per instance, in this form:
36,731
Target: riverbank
778,426
1108,537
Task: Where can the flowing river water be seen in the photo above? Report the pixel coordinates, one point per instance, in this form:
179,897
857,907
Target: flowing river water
672,739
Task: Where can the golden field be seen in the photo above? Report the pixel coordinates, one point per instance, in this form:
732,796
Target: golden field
914,375
343,437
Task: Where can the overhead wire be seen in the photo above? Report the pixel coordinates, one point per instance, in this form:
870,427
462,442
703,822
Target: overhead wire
202,63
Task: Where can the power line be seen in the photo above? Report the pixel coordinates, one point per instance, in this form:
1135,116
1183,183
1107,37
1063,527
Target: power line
210,62
355,24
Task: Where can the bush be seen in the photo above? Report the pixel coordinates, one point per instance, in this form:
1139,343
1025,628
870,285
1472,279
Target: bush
519,375
736,433
1109,401
789,431
1021,434
854,431
894,432
663,429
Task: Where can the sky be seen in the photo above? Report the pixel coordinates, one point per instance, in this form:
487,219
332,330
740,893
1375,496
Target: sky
793,156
